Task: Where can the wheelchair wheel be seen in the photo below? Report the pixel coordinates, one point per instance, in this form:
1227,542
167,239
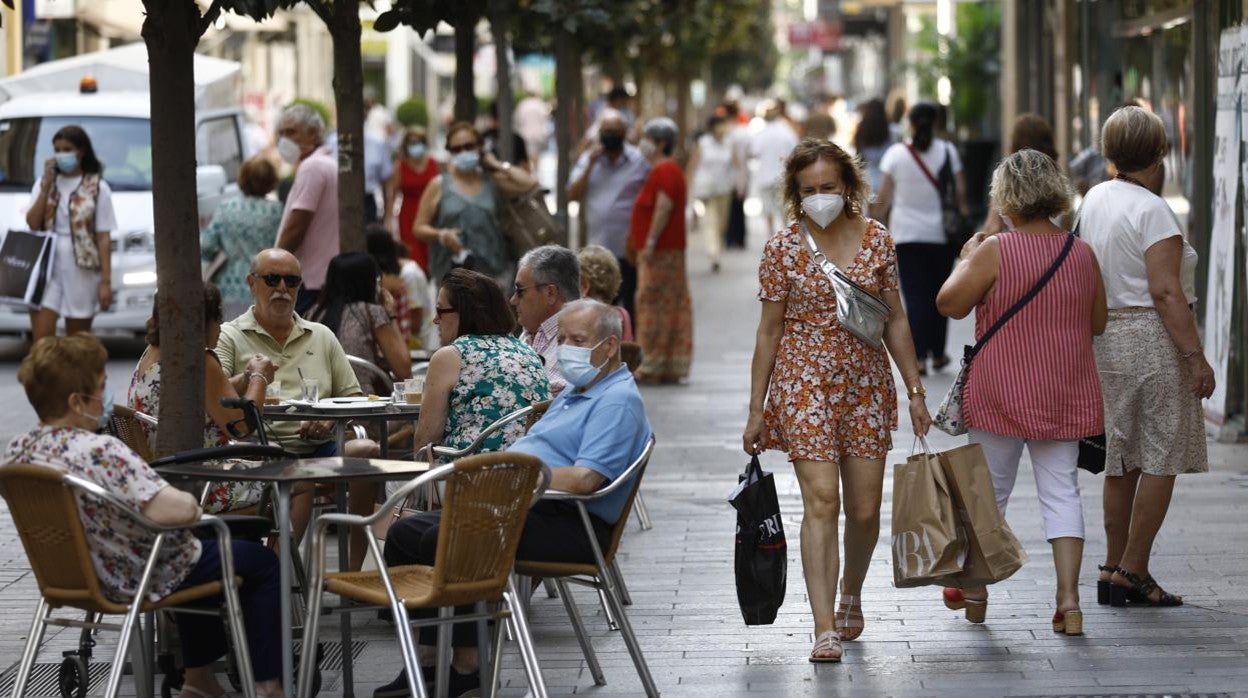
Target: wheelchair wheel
73,678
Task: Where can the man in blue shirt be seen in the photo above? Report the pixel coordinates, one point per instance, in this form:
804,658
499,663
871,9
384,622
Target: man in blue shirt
588,437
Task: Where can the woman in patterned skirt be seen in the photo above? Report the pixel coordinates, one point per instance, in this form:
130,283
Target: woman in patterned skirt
823,395
1153,370
664,322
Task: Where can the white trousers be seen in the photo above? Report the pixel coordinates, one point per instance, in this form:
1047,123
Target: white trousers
1057,483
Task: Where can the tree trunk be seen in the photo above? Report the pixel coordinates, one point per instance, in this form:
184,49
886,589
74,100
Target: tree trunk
498,27
465,47
682,110
171,31
349,99
565,106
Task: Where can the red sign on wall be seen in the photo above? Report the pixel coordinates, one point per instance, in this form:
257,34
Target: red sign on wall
817,34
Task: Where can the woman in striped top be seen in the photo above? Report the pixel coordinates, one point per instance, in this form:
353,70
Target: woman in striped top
1035,383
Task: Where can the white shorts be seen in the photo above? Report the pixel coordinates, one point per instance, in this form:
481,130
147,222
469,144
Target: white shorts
72,292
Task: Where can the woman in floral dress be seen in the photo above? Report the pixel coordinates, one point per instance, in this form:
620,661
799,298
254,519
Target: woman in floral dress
240,228
482,372
821,394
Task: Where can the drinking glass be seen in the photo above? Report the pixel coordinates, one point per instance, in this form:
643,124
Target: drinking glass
273,393
311,389
415,390
397,395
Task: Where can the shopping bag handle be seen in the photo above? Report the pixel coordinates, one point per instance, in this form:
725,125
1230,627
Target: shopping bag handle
927,449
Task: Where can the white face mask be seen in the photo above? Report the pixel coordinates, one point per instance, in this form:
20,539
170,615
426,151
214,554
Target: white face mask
1009,223
576,365
823,208
289,150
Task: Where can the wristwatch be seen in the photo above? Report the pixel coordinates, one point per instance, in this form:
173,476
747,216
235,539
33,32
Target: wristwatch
914,390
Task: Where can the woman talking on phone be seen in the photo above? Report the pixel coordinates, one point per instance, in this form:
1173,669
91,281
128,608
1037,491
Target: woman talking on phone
72,200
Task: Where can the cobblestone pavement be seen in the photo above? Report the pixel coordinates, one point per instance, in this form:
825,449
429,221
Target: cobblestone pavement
684,610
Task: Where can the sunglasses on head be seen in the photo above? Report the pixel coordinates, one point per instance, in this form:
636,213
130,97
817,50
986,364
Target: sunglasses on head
456,149
271,280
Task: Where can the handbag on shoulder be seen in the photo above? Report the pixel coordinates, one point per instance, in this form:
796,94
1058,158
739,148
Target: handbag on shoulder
527,223
862,313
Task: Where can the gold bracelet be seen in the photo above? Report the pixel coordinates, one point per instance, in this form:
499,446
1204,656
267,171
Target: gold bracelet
256,374
914,390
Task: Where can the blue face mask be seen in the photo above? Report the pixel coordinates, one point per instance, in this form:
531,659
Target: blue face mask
417,150
466,161
106,411
67,162
576,365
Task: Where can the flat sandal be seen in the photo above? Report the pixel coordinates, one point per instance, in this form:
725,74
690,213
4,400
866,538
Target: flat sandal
849,621
828,641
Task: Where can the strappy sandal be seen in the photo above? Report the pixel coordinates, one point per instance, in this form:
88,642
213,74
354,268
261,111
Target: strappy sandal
828,641
1141,591
849,621
1103,585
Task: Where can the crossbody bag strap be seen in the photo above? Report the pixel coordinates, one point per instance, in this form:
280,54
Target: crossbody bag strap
923,166
1027,297
826,264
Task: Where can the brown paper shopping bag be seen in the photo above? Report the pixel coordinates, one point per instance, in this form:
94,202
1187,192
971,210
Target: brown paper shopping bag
993,552
925,539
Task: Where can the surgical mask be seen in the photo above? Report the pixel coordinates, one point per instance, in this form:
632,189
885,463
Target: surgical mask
466,161
289,150
106,411
417,150
576,366
67,161
1009,222
647,148
612,141
823,208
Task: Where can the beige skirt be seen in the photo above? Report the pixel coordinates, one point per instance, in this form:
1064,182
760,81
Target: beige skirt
1153,419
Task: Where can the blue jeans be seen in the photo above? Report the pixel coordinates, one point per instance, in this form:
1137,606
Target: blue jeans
204,637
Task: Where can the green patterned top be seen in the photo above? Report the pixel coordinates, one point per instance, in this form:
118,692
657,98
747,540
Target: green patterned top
498,374
241,227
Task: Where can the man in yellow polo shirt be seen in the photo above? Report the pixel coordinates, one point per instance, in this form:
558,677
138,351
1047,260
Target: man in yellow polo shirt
271,331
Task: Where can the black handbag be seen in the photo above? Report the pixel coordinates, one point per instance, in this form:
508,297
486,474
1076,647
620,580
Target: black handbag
1092,454
762,553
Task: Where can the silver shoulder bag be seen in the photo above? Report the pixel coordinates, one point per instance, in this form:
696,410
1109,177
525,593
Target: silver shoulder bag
862,313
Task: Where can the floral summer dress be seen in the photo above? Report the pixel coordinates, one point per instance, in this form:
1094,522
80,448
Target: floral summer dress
498,375
119,546
144,396
831,395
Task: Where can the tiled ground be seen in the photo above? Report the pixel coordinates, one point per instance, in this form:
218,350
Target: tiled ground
680,574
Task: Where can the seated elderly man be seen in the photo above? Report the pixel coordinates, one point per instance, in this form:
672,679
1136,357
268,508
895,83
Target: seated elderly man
547,277
590,435
272,333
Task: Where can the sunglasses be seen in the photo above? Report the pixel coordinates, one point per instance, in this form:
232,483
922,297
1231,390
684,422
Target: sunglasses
272,280
455,149
444,311
521,290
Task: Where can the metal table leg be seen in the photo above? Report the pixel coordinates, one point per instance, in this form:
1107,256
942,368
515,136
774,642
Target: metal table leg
284,536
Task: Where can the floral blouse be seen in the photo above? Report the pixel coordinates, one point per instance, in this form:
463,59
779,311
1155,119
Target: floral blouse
119,545
240,228
498,375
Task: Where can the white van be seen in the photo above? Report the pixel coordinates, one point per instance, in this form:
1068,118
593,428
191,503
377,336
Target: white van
118,123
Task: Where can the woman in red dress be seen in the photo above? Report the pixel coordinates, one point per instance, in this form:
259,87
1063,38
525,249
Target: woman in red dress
414,172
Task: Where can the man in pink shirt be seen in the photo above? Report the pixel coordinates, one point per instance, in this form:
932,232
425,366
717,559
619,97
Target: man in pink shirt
309,226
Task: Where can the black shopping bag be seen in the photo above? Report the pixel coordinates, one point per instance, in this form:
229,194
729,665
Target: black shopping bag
762,555
25,262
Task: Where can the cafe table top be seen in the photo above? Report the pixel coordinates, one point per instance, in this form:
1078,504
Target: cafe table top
296,411
298,470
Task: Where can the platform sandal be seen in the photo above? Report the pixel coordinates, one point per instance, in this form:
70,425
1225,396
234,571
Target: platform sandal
1141,591
1103,585
828,641
1068,622
849,621
976,609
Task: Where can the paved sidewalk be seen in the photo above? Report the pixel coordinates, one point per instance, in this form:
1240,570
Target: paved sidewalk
680,575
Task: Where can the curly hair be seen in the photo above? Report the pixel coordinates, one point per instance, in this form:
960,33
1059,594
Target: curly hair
601,271
1028,186
812,150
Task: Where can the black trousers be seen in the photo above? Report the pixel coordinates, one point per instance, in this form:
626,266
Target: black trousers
734,236
628,287
924,268
553,532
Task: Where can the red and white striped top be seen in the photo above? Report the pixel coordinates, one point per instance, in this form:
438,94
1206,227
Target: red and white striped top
1036,378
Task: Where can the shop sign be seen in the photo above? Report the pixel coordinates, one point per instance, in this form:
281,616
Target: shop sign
55,9
815,34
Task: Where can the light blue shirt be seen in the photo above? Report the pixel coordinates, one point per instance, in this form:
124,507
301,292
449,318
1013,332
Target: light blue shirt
378,164
604,429
609,195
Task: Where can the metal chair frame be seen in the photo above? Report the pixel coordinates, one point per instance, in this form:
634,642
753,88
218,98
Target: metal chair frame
130,628
607,581
513,612
371,368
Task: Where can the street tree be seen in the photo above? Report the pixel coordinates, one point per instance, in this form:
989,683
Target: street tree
463,15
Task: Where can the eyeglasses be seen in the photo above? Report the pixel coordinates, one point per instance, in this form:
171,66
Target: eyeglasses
271,280
444,311
455,149
521,290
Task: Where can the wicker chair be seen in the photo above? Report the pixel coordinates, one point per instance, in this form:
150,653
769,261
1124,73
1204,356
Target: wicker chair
44,504
127,425
483,515
602,575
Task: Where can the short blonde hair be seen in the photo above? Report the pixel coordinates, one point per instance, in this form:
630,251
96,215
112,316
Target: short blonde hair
58,367
601,271
1133,138
1029,186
